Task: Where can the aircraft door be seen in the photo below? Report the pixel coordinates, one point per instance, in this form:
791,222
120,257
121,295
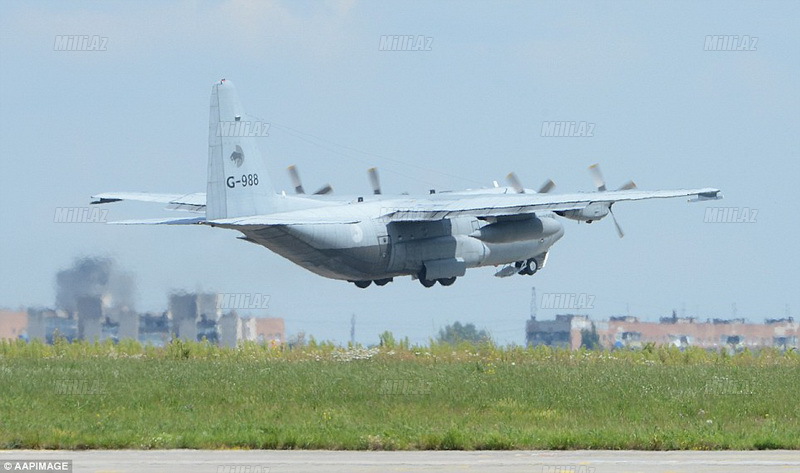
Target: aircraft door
384,245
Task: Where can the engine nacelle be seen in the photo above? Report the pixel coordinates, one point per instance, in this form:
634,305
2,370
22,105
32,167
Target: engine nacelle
508,231
593,211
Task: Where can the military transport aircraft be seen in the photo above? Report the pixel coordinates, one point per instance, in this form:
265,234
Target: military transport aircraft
375,238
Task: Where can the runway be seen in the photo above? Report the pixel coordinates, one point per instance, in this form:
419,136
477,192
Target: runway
314,461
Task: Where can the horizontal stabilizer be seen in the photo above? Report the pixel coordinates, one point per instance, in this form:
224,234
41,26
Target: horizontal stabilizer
280,219
703,196
196,201
315,216
162,221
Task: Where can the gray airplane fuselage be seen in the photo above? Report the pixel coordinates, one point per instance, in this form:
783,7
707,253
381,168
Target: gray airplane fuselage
375,248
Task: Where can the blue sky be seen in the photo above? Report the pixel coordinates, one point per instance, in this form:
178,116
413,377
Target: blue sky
667,114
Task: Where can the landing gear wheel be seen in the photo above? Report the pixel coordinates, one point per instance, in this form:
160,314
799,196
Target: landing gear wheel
447,281
383,282
422,279
362,284
531,267
527,268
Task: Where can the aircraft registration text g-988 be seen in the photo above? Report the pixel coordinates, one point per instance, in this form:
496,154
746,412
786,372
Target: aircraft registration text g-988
245,181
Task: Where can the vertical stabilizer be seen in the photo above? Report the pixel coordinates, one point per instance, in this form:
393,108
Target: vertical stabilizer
238,182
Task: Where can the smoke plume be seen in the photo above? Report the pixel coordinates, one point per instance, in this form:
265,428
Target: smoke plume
94,277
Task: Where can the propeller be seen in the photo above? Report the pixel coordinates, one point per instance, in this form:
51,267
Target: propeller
324,190
298,185
600,183
616,224
514,181
547,187
597,177
374,180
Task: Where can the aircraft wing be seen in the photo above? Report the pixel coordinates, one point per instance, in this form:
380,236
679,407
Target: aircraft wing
195,202
440,207
500,205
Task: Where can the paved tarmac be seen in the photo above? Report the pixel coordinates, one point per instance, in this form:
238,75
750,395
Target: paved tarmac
314,461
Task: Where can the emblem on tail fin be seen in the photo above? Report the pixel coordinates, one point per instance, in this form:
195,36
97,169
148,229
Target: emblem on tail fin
238,156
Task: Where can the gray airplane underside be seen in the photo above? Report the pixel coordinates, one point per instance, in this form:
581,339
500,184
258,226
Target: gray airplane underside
443,249
376,238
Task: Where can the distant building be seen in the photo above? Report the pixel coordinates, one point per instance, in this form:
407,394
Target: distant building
231,330
563,332
47,324
13,324
194,317
687,331
154,329
234,329
630,332
90,318
270,330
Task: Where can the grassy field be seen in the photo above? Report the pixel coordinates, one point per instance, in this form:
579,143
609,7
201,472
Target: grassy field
198,396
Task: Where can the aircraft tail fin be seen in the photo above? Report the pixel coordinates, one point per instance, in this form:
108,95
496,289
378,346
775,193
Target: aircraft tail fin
238,182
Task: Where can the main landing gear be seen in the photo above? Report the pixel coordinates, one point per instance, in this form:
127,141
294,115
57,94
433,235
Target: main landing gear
378,282
421,276
430,282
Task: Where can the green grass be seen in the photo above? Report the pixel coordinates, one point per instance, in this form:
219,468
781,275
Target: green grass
193,395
